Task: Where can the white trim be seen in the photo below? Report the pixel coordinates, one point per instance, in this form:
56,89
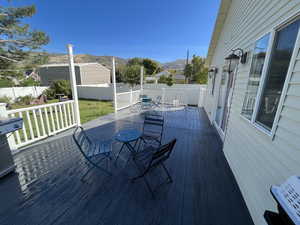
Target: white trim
263,76
256,126
219,130
286,83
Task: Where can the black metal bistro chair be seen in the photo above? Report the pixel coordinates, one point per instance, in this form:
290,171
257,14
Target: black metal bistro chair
153,129
151,158
95,152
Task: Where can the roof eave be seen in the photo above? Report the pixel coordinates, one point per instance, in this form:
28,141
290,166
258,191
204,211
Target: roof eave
220,21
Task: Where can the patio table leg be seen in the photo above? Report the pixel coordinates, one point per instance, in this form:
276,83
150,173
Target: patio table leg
119,153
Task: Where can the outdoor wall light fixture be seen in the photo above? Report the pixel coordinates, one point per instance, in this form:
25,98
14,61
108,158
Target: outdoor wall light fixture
233,58
241,55
212,71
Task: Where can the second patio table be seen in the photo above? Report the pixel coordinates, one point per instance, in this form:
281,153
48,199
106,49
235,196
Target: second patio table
127,137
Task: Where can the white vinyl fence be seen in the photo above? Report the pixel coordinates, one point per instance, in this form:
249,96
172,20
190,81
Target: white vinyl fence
127,99
182,94
41,122
16,92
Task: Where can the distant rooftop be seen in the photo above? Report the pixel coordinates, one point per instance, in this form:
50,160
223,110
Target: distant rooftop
66,64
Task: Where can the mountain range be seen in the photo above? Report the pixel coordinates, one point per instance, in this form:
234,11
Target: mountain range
106,60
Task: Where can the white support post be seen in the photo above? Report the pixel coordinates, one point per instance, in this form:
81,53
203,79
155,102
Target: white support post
10,137
73,84
114,84
131,97
163,96
142,78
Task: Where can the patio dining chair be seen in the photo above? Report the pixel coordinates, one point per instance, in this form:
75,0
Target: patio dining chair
153,128
95,152
151,158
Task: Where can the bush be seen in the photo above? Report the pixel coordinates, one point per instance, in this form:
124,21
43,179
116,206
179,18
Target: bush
5,99
59,87
29,82
4,82
25,100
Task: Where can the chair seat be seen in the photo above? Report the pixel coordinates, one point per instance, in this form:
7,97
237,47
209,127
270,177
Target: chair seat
100,147
144,157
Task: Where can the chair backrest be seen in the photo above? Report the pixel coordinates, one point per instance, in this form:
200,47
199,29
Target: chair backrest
83,142
153,124
163,153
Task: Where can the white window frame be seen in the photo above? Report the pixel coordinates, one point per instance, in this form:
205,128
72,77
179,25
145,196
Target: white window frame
262,83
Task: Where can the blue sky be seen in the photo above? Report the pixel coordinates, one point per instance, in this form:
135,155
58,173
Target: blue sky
158,29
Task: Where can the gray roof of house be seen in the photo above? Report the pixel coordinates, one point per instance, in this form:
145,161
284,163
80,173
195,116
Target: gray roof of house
76,64
179,77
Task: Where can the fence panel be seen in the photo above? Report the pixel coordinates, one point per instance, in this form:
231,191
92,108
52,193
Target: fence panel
42,121
127,99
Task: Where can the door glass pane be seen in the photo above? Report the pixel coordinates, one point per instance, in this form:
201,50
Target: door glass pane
281,55
259,55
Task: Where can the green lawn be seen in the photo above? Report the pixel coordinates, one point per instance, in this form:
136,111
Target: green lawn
89,110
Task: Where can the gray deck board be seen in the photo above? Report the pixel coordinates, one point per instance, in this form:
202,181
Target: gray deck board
47,188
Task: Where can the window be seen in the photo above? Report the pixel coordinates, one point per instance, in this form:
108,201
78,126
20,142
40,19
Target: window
258,60
283,47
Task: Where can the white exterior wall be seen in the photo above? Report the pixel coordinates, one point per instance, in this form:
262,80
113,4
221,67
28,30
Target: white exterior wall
256,160
15,92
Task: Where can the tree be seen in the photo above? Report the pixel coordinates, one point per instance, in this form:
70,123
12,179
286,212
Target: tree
166,80
199,70
132,75
135,61
16,37
196,71
151,66
188,72
162,79
59,87
169,81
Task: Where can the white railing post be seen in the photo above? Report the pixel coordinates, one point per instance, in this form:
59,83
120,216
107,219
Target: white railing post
114,84
131,97
163,96
142,78
10,137
73,83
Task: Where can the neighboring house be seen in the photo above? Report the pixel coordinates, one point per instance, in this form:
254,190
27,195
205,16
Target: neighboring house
255,105
86,73
179,79
165,73
155,78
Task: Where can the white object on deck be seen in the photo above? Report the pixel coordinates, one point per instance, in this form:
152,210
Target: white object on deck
73,83
114,83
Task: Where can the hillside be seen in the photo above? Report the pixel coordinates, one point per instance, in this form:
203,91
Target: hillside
106,60
178,64
84,58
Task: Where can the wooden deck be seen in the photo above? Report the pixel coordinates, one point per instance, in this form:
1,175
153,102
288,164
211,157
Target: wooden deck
48,190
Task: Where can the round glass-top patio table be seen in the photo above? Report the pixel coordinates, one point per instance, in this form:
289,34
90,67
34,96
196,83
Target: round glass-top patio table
127,137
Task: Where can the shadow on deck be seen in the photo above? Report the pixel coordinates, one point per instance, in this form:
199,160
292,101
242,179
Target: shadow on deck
47,188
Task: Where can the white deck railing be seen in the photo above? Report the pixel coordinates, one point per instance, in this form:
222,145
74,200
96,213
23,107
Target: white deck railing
42,121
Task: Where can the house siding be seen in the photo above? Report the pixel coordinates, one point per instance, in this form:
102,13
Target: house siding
95,74
86,74
50,74
257,160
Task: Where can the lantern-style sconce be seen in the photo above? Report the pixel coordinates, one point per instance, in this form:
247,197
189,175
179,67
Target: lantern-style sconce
233,57
212,72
